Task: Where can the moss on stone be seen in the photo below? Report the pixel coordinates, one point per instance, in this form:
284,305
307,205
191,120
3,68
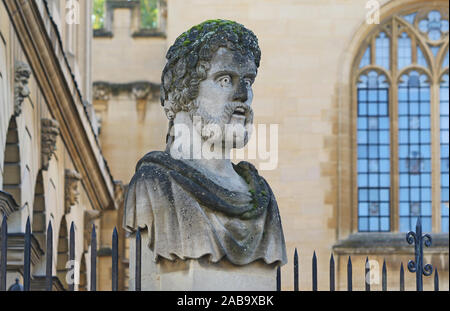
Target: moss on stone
213,25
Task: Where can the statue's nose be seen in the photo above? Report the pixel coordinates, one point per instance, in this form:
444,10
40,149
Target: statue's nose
241,92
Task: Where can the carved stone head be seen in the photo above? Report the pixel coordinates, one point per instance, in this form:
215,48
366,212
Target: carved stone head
72,179
209,74
21,90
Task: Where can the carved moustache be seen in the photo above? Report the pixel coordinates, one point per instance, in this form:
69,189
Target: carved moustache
225,117
208,121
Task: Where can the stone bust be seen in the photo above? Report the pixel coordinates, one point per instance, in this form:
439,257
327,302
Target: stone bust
199,204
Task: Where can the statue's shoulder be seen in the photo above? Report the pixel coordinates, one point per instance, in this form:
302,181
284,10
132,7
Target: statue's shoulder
247,166
153,158
153,167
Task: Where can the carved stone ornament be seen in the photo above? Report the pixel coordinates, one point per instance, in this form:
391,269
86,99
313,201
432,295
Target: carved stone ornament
119,190
7,204
50,132
21,90
90,217
141,91
101,91
72,179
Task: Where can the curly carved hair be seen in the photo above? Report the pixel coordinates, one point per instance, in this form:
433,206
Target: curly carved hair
188,60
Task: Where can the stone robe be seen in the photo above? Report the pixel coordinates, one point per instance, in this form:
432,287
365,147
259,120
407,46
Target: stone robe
189,216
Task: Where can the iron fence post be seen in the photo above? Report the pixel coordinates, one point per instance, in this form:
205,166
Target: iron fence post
115,261
49,258
27,257
296,287
314,272
384,276
4,256
138,261
349,274
93,260
279,279
402,278
417,266
72,255
367,275
332,281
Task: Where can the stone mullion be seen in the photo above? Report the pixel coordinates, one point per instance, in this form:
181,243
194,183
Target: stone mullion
394,130
354,156
413,49
435,156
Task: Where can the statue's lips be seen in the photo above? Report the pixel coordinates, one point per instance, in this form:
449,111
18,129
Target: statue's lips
239,111
241,114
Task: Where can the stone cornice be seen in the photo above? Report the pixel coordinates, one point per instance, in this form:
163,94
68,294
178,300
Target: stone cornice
102,33
387,243
39,283
56,81
122,4
16,242
149,33
7,204
139,89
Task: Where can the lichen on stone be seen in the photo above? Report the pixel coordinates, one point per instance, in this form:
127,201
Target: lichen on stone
188,59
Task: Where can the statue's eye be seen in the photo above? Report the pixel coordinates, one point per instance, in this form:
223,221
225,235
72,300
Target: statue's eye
248,82
225,81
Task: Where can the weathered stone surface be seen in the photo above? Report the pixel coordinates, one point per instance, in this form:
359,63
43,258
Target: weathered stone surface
50,132
72,179
199,274
213,219
7,204
21,90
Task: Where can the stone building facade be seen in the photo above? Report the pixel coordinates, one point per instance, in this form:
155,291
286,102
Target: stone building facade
51,165
314,59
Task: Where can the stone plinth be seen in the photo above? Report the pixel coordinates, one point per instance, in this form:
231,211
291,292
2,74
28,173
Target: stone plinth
199,274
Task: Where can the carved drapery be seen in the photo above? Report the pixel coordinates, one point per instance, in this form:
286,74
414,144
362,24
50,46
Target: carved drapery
21,91
50,132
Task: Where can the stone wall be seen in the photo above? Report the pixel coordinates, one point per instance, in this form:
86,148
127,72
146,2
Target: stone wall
303,84
37,163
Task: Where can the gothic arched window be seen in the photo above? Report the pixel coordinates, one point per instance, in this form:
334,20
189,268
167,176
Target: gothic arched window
402,127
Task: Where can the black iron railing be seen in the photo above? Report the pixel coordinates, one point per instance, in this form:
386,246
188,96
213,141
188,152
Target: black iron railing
417,266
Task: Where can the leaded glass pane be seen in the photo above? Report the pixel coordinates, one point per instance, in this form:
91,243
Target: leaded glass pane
410,18
434,50
421,60
404,51
382,47
373,153
433,25
365,61
445,62
444,152
414,152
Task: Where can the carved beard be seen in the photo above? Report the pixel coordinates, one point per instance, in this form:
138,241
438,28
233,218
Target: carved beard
208,125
